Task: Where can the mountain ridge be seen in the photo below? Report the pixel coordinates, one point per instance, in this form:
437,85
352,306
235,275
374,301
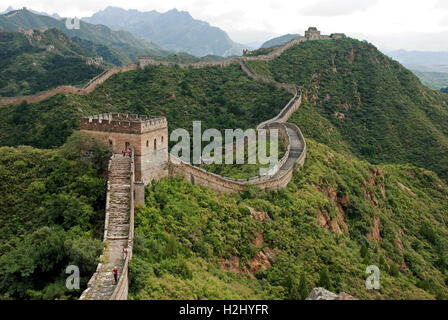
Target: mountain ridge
124,42
174,30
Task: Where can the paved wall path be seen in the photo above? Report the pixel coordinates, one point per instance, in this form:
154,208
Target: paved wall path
117,225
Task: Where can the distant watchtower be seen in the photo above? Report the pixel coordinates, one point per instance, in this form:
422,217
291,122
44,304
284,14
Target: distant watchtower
312,34
146,134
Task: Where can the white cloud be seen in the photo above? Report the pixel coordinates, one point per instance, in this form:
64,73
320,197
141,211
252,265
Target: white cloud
330,8
442,4
444,21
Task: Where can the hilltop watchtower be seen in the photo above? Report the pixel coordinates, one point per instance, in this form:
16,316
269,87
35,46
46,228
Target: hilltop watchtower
312,34
148,136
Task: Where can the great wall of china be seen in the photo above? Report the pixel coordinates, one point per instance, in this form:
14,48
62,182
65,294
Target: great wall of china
124,190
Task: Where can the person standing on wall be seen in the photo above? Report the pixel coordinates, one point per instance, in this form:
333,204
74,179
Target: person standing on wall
115,271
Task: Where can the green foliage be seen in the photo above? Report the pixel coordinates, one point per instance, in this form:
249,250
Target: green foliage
124,45
77,142
220,97
434,80
27,69
51,209
361,100
324,279
213,231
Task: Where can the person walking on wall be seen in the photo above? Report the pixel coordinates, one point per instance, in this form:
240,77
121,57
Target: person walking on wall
115,271
124,152
125,252
130,152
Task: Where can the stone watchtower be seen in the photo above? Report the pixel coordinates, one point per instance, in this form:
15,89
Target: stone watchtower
312,34
146,134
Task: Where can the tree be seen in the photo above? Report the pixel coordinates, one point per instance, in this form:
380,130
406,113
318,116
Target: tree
324,279
303,289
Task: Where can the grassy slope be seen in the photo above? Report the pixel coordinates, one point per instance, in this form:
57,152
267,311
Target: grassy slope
184,232
388,115
220,97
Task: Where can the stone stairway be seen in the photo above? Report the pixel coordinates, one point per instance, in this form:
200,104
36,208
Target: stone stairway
102,285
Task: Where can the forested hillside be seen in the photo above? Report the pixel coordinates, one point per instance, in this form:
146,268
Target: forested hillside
365,195
129,46
335,218
379,108
220,97
51,216
27,67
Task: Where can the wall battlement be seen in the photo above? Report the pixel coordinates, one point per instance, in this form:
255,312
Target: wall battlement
123,123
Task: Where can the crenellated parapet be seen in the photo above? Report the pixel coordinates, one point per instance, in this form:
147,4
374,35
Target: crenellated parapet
123,123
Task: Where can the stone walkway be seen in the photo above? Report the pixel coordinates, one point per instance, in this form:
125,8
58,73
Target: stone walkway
103,284
294,153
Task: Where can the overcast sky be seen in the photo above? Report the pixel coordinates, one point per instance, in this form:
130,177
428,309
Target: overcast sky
389,24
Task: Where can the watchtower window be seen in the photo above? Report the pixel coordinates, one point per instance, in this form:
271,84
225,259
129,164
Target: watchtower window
147,143
162,138
127,144
111,144
155,144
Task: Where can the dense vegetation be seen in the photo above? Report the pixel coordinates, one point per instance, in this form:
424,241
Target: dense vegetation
51,216
380,109
219,97
338,216
246,170
26,68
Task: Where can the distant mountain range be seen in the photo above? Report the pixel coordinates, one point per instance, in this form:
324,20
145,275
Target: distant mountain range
123,43
173,30
430,66
54,15
424,58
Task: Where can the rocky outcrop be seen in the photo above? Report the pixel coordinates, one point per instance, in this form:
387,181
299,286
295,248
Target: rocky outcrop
323,294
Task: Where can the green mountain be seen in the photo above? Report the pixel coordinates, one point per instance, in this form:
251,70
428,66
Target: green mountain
279,40
220,97
337,216
122,41
365,195
174,30
29,64
363,101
